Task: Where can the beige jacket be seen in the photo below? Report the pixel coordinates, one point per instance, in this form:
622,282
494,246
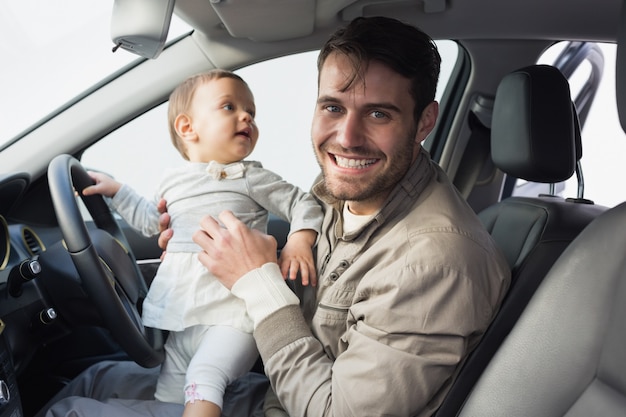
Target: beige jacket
399,305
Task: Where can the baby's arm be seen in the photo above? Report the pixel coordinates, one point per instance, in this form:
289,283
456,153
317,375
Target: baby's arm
104,185
297,255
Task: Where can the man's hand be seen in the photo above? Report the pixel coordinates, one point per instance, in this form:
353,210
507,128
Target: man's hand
164,226
231,251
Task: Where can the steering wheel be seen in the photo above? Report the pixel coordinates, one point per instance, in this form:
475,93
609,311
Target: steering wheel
108,271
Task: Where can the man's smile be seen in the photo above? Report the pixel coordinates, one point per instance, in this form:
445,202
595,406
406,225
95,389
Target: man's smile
353,162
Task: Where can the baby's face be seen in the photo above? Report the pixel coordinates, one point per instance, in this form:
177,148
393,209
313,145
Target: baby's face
222,117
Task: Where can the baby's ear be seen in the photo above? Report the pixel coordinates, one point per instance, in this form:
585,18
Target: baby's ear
183,127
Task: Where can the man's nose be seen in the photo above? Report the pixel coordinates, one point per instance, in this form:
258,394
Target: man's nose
350,132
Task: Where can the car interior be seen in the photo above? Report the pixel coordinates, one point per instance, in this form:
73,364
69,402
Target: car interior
511,132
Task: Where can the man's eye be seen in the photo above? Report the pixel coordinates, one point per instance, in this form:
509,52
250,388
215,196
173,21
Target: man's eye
378,114
333,109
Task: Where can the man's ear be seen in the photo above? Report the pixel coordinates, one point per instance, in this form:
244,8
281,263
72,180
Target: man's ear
184,128
427,121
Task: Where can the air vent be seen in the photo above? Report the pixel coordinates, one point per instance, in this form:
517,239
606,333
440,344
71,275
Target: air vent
34,245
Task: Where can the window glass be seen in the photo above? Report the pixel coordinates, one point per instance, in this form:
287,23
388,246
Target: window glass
285,91
50,55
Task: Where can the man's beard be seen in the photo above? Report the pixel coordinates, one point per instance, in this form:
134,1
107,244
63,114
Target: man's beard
345,188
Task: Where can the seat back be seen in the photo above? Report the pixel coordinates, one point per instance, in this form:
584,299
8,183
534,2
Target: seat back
534,137
566,355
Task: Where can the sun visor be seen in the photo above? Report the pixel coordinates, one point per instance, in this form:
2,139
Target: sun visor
253,19
141,26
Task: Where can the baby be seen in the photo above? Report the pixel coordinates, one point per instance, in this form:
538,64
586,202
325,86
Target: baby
211,122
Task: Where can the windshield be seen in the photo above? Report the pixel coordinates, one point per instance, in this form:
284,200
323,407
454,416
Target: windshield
50,55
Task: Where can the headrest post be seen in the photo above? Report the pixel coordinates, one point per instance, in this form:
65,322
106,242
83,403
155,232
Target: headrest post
581,180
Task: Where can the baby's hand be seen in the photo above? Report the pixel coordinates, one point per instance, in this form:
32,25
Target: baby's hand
104,185
297,255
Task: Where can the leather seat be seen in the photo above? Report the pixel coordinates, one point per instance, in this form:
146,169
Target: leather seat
534,136
566,356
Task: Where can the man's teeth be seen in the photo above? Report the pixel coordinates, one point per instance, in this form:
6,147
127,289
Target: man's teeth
353,163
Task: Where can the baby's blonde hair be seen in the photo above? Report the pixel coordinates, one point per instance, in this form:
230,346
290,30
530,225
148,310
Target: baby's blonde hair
181,97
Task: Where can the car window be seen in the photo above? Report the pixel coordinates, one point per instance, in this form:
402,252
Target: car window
603,141
59,54
138,152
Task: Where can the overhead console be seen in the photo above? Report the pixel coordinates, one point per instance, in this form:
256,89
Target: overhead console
253,18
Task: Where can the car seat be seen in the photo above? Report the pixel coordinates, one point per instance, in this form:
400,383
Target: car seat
566,355
534,136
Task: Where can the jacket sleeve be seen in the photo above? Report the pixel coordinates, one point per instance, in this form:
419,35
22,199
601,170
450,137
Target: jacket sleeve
400,351
139,212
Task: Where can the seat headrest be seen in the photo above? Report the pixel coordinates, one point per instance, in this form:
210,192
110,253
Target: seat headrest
620,70
532,130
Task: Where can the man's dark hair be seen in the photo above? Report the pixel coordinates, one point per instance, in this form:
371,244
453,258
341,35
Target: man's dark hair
402,47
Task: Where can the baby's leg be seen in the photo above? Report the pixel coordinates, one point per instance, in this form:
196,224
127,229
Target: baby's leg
223,355
174,368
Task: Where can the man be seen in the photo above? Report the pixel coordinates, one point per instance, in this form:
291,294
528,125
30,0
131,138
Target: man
408,279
